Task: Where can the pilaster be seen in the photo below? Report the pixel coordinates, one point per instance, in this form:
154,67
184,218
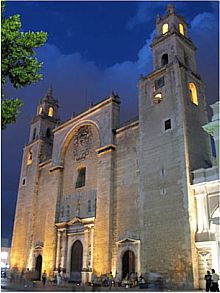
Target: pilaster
104,207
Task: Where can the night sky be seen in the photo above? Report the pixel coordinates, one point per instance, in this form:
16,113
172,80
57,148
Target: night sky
92,49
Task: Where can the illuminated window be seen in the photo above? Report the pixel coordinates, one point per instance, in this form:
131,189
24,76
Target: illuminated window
157,98
81,178
50,112
29,159
181,29
165,28
193,93
164,59
40,110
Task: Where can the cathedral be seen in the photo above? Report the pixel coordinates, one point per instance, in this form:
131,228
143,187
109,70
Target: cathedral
97,196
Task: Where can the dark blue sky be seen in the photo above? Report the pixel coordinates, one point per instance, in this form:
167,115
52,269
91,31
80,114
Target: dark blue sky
92,48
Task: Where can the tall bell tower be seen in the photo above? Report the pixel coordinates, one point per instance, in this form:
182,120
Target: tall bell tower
172,110
37,151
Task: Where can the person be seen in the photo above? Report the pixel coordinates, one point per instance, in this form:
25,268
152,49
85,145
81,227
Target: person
117,280
58,278
26,277
44,277
208,281
110,280
215,278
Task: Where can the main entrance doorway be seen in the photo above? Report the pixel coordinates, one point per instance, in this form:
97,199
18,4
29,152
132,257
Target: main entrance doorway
128,263
38,267
76,261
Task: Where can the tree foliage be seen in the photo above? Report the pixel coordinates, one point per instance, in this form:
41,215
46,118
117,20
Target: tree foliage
19,63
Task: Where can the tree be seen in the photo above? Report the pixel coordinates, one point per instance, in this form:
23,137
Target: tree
19,63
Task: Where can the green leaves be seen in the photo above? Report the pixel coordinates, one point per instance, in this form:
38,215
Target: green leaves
10,110
19,63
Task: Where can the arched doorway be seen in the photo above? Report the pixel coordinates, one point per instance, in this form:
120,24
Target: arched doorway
76,261
38,267
128,263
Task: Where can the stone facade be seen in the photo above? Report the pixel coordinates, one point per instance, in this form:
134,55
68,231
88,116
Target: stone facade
110,189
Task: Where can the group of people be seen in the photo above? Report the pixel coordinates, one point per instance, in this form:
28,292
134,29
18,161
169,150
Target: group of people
212,281
131,280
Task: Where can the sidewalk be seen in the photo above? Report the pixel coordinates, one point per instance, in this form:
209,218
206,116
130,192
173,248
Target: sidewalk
38,286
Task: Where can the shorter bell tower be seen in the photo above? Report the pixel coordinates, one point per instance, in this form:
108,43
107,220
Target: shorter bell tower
44,122
46,118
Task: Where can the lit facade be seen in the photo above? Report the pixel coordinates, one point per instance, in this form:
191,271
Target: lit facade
95,196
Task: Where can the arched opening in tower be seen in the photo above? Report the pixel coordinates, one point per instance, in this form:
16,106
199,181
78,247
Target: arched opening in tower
128,263
164,59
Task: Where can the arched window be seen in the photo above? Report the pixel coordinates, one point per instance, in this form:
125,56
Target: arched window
50,112
193,93
181,29
48,133
81,178
164,59
34,133
40,110
165,28
157,98
29,159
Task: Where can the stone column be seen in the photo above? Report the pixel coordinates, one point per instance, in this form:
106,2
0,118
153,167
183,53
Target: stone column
104,207
205,212
92,246
202,213
64,244
58,249
199,213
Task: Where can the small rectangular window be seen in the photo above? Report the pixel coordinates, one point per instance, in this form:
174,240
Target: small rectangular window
167,124
159,83
81,178
24,181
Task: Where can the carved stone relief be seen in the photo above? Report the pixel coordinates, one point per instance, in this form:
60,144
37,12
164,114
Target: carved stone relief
82,143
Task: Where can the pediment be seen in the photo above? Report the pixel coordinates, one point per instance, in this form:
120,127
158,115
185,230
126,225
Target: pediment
75,220
38,244
128,241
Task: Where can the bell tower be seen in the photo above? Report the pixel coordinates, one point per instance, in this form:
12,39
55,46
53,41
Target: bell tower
38,150
44,122
172,41
172,110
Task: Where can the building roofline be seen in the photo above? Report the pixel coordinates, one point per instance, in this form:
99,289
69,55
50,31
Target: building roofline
98,105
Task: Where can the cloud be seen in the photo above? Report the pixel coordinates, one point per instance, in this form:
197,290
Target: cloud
80,81
203,21
145,13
